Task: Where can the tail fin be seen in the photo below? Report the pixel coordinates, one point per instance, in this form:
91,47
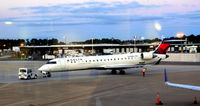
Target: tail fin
163,47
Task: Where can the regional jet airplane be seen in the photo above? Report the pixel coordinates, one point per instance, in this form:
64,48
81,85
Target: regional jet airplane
111,62
196,88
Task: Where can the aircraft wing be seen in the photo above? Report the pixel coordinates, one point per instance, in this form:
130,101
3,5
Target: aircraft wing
122,66
197,88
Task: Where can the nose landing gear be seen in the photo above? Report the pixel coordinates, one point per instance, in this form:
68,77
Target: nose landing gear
48,74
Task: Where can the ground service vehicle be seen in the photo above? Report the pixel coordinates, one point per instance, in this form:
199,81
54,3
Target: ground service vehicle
27,73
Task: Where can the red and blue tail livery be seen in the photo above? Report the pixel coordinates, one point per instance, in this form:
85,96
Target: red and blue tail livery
162,48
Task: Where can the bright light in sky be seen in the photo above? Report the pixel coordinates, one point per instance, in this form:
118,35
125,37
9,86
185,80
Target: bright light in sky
157,26
8,23
180,35
142,38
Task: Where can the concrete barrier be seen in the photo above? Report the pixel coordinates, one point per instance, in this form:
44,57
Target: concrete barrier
183,57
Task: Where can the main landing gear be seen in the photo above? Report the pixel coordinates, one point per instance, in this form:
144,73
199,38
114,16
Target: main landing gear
121,71
46,74
113,71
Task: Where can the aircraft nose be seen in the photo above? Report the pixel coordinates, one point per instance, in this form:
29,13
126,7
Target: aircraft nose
42,68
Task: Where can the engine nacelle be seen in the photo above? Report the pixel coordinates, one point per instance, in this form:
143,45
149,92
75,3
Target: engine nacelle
147,56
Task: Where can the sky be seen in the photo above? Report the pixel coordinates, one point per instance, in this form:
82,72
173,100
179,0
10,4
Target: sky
79,20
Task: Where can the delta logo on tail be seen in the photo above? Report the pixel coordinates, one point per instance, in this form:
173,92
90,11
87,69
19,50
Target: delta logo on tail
163,47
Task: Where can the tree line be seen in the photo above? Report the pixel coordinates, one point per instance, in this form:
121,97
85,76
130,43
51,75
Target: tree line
9,43
191,39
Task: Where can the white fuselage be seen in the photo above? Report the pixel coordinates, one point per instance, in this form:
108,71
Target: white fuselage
120,61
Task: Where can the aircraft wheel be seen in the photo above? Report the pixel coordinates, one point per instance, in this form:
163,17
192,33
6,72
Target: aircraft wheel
113,72
122,72
35,76
29,77
48,74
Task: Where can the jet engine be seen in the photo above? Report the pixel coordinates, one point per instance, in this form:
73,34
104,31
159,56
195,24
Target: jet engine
147,56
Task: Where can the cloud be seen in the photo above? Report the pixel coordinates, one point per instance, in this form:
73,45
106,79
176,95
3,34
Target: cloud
114,17
99,13
95,13
66,20
83,8
131,7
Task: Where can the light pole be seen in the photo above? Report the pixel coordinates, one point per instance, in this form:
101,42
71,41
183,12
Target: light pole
92,45
135,37
64,37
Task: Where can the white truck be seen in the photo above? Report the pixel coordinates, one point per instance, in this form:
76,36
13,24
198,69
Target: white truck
27,73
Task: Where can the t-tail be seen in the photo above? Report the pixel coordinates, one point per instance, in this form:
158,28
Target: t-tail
161,50
163,47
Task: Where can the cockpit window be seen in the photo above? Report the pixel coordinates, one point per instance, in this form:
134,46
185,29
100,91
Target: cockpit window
51,62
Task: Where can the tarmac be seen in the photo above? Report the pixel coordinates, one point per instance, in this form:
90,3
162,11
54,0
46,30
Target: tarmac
98,87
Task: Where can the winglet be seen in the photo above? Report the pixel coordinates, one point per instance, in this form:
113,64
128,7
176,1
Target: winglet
165,75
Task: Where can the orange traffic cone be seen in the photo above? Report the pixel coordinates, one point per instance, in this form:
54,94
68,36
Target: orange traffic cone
158,100
195,100
39,103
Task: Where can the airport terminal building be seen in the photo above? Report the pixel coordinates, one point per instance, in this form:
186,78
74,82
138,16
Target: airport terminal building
53,51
